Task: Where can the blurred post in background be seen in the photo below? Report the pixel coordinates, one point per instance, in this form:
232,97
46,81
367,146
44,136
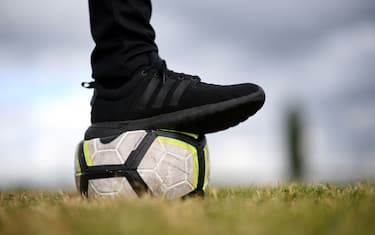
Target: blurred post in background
294,126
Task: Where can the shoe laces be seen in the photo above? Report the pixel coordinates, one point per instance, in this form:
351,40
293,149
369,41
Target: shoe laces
161,70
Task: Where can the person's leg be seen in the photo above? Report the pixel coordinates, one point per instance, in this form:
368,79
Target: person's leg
134,89
123,35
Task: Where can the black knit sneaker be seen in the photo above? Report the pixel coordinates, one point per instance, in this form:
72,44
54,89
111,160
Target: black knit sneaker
158,98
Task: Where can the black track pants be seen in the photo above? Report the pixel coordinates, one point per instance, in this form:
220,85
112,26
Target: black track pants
123,36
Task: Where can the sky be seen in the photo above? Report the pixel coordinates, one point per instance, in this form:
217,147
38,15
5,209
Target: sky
317,56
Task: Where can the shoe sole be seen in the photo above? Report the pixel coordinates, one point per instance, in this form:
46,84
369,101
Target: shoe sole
199,120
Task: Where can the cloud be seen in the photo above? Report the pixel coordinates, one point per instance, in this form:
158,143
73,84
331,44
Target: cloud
44,22
275,28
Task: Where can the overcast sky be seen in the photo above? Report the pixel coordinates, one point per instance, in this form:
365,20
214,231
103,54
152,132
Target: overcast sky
316,55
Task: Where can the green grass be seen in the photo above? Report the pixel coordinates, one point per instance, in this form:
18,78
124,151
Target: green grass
288,209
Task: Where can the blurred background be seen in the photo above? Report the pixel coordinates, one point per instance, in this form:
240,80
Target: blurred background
314,58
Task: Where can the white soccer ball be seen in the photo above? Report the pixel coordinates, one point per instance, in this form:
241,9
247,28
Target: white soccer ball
163,163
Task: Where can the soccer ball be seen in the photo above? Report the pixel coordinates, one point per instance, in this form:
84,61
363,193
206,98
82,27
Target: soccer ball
163,163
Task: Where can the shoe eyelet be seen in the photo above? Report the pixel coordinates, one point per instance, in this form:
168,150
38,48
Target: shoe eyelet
156,75
144,73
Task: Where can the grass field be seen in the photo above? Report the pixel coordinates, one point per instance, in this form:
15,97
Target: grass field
288,209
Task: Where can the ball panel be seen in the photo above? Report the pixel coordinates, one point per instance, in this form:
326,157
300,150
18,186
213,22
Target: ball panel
111,145
77,178
111,187
77,169
77,166
178,190
129,142
185,151
172,170
152,157
153,182
88,150
167,163
175,146
106,157
207,163
190,174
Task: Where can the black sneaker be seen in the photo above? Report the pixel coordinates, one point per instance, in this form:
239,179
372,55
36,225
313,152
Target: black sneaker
158,98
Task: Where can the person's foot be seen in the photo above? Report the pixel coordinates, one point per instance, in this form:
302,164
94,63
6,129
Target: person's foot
157,98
